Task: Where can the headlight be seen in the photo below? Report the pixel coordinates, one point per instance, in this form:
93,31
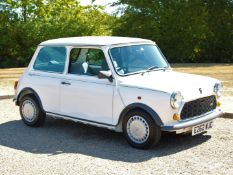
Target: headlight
176,100
218,89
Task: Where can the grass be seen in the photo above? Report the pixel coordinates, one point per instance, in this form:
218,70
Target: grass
223,72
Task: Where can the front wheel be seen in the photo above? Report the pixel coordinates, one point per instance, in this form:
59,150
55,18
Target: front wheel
30,111
140,130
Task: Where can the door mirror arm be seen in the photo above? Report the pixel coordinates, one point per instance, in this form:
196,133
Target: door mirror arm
105,75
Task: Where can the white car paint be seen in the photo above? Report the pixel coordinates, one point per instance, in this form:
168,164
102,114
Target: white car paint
88,98
156,88
94,41
101,102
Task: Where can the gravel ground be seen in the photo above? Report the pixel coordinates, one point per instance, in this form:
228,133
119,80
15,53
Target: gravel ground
63,147
227,104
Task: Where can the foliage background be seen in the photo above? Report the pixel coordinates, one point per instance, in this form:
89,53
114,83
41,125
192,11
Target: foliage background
186,30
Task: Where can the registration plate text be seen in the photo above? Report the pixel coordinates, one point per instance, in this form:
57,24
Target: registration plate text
201,128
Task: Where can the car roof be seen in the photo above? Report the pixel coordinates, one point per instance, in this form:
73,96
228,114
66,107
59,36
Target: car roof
95,41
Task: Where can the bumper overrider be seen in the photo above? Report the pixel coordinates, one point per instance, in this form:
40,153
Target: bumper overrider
182,124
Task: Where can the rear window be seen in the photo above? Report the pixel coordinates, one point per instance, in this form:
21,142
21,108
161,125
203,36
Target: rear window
51,59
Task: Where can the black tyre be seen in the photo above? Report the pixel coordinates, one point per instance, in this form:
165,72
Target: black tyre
30,111
140,130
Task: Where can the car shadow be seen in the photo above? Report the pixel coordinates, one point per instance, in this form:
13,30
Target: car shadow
59,136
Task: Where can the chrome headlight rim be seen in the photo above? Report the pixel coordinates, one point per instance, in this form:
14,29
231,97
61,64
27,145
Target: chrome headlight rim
176,100
218,89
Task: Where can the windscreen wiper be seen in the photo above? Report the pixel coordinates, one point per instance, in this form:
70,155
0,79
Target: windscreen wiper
150,69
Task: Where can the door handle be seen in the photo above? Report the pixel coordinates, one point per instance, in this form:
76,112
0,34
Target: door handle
65,83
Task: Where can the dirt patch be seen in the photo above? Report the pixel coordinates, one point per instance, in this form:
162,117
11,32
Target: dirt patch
223,72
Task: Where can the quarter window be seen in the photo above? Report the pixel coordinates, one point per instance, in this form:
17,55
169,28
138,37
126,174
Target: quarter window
51,59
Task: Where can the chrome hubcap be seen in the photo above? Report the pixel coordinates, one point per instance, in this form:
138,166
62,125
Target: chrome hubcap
137,129
29,110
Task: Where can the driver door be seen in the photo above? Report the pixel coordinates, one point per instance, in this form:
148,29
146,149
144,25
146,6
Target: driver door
83,94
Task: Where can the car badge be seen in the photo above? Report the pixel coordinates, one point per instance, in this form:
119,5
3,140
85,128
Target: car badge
200,90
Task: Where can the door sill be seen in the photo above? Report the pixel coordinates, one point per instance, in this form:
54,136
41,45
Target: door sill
87,122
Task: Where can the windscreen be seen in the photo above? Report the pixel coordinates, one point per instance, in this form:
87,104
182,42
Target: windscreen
137,58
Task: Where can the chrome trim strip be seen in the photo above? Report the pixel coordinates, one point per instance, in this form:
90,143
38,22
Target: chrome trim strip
88,122
181,107
194,121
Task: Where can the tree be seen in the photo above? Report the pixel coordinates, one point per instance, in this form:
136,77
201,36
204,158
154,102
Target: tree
220,31
26,23
186,30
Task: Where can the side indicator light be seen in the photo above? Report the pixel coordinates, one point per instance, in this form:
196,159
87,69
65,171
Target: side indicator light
218,104
15,85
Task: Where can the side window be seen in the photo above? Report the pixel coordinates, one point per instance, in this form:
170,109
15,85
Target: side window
74,54
51,59
87,61
95,57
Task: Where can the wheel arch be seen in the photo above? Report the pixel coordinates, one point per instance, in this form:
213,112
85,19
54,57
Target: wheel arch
29,91
155,117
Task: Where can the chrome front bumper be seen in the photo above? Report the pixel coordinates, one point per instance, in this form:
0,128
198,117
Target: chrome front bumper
192,122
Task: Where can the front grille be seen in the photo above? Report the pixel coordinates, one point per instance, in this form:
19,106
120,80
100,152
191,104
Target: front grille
198,107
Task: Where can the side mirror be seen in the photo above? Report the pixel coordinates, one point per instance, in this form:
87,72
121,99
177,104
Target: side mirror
105,74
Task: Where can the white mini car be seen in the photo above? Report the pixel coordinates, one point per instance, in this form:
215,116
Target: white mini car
119,83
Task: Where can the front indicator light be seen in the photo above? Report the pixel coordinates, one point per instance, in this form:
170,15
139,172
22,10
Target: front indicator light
176,117
218,104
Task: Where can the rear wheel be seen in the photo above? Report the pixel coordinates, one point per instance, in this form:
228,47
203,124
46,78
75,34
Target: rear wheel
140,130
30,111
